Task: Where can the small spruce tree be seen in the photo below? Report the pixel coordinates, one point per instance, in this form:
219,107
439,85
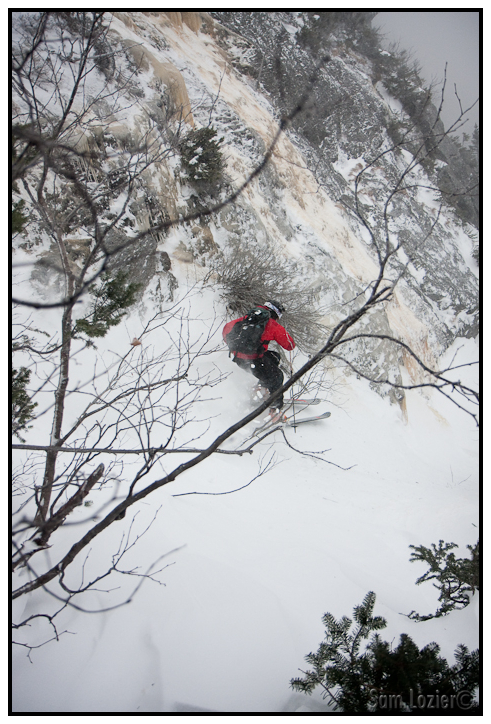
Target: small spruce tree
22,405
201,157
365,676
19,219
455,578
22,155
339,667
111,301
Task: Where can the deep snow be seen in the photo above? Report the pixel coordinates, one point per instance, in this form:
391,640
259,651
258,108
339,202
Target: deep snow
254,570
251,573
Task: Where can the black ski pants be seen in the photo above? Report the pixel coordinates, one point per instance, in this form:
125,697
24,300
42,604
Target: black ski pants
266,370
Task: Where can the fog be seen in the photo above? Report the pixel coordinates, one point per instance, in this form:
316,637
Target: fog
436,39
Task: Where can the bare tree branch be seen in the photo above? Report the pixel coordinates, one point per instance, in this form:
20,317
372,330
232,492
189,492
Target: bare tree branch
148,403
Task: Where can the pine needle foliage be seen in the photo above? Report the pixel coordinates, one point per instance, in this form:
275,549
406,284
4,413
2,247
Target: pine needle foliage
339,667
20,159
22,405
111,300
361,675
19,219
201,157
455,578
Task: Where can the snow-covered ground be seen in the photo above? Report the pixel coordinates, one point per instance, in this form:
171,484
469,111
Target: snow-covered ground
248,574
251,572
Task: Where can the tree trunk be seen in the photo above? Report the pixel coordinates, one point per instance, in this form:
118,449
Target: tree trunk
66,344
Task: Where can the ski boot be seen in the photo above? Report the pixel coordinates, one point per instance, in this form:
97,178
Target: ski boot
276,415
259,393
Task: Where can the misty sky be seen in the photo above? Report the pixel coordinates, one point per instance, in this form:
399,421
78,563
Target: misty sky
434,39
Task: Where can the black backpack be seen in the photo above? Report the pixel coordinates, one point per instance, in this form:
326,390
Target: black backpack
245,335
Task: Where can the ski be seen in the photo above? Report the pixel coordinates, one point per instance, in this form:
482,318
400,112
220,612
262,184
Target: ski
289,403
289,407
298,405
294,423
301,401
264,424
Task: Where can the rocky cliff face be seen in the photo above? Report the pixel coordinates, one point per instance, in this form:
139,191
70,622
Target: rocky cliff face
284,49
239,72
351,118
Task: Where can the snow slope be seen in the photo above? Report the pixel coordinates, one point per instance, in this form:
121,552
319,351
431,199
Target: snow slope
250,564
251,572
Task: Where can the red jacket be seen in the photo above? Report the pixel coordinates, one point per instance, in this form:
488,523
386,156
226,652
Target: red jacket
272,332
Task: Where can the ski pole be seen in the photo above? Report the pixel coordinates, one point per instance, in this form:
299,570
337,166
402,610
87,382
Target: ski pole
293,397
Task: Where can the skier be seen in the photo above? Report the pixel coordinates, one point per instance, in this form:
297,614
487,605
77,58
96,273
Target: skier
254,355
